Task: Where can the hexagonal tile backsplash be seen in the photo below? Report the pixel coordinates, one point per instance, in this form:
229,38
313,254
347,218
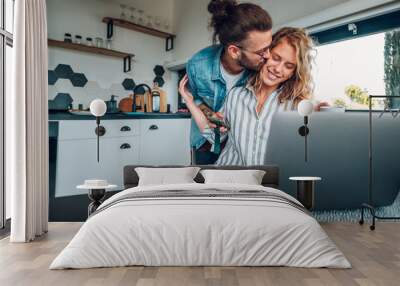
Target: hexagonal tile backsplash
64,80
52,77
159,70
64,71
159,80
128,84
79,79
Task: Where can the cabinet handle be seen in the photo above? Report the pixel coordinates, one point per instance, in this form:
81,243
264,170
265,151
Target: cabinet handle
125,146
125,128
153,127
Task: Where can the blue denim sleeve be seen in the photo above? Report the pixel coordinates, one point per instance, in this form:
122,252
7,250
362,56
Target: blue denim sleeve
190,70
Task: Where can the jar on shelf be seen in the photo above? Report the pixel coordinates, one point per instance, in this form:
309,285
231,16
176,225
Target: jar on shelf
99,42
89,41
109,44
67,38
78,39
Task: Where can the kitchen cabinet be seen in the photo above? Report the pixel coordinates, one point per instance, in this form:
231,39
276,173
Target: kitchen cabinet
126,142
165,142
77,161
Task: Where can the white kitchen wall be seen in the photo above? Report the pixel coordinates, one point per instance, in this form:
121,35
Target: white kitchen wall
105,74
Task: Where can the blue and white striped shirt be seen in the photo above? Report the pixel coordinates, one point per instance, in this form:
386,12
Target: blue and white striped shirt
249,130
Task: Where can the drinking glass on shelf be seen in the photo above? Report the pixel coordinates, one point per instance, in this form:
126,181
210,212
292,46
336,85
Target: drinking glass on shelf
149,21
109,44
132,17
166,24
140,20
157,21
123,13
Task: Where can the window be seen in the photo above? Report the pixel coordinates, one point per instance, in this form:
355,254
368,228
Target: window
358,59
6,44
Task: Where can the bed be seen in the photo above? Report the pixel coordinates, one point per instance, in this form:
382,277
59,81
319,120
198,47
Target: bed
198,224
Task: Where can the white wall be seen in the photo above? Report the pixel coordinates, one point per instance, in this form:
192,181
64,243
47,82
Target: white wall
105,74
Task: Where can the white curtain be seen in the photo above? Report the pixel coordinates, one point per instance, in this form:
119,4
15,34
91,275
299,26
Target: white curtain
27,123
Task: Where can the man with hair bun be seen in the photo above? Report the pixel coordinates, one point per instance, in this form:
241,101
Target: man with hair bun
241,36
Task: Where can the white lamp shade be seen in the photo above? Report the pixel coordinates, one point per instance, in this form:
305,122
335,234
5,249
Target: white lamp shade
98,107
305,107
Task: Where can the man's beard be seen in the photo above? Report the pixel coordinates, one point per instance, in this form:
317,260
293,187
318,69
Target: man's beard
247,64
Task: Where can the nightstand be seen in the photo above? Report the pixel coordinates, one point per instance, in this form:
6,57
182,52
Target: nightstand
96,192
305,190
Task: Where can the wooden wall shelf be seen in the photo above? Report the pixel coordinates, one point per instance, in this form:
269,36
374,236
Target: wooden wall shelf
94,50
88,49
139,28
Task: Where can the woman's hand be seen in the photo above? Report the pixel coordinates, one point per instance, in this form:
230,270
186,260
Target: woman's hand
220,116
184,91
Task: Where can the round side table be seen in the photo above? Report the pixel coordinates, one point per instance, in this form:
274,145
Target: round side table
96,195
305,190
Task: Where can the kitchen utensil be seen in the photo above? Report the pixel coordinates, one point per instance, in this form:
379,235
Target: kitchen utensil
112,105
140,89
140,102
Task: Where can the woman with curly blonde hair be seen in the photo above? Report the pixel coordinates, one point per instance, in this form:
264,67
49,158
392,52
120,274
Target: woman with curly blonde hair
282,82
299,85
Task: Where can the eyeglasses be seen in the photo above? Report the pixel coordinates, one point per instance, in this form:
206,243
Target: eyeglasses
260,53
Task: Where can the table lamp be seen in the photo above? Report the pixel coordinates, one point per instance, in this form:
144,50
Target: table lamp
98,108
305,108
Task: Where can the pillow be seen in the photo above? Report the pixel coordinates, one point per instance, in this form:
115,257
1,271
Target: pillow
166,176
248,177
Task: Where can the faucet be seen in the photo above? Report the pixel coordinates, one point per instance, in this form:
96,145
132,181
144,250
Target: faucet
134,107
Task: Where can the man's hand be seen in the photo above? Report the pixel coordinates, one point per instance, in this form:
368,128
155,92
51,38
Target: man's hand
184,91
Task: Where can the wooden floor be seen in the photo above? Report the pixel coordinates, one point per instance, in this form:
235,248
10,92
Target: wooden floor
375,257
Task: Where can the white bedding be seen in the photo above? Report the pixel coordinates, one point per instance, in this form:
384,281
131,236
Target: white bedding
200,231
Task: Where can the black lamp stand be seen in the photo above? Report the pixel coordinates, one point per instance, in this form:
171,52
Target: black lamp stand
100,131
304,131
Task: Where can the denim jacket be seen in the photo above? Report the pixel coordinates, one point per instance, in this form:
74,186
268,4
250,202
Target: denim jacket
207,84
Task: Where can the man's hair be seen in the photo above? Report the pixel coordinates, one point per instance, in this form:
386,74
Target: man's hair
231,22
